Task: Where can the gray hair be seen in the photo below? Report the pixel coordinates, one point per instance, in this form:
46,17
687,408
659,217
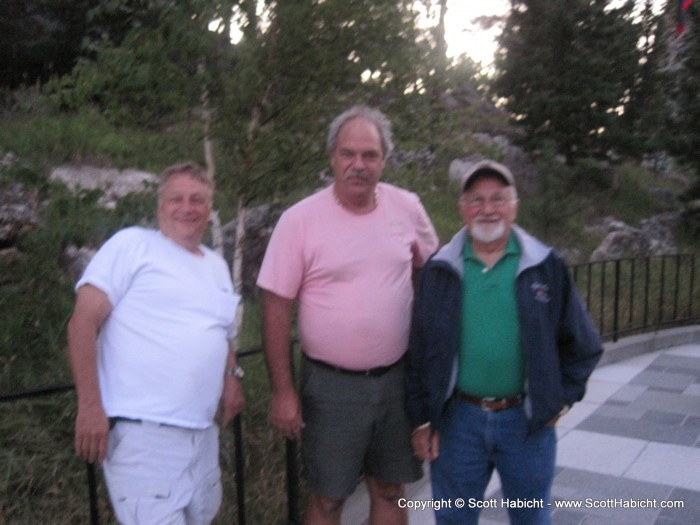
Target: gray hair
373,115
192,169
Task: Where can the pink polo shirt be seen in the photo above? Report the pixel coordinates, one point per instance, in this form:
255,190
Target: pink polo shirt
351,274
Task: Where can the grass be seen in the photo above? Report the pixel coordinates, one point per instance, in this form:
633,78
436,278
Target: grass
46,139
41,481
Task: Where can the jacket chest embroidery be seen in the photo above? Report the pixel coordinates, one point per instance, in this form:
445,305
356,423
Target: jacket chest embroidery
540,292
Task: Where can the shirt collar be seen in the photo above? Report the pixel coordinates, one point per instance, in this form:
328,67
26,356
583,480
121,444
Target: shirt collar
512,248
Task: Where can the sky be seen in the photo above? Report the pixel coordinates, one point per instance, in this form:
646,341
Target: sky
464,37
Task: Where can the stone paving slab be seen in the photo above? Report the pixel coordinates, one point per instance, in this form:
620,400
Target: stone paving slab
669,464
641,426
607,454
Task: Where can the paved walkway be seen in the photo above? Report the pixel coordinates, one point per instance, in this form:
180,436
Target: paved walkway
626,452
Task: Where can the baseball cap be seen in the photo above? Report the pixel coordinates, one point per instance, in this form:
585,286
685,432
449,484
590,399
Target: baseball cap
486,168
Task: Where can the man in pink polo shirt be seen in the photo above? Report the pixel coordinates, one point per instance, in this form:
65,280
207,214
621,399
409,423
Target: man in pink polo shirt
346,256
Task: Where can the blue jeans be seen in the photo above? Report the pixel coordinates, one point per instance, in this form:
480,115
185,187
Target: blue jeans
473,442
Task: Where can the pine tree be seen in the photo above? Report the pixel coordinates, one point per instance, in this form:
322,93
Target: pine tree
566,69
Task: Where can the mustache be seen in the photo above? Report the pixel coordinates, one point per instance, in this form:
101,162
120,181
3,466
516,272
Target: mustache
362,175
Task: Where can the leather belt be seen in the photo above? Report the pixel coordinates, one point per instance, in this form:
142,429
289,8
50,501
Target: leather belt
370,372
119,419
490,403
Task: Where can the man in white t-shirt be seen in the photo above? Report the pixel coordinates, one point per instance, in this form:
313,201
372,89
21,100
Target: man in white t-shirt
347,255
150,344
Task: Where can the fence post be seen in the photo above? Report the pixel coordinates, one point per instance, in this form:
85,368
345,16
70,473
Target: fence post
691,287
677,286
293,492
240,467
616,301
662,291
92,493
601,312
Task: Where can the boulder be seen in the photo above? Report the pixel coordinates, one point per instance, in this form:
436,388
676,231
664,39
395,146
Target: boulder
114,183
655,237
19,212
75,259
260,222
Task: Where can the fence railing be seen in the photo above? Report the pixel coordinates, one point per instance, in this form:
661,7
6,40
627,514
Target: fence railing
624,296
628,296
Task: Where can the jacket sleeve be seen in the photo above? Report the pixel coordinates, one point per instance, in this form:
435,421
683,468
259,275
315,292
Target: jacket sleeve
417,397
580,347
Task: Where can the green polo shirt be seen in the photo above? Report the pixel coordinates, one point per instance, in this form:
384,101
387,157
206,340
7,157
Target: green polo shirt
490,359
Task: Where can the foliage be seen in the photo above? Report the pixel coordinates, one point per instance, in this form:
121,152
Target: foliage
685,139
554,206
40,38
643,128
566,69
148,70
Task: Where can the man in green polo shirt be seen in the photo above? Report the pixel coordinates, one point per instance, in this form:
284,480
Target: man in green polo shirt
501,346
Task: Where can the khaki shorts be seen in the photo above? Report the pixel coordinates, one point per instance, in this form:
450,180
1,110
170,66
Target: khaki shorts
354,426
163,474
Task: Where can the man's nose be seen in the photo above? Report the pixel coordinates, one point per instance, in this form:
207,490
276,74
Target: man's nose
191,205
489,207
358,162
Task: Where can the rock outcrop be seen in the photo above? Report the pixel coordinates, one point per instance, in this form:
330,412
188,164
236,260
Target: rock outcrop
113,183
654,237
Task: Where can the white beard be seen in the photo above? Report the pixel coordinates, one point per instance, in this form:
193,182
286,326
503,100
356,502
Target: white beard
487,232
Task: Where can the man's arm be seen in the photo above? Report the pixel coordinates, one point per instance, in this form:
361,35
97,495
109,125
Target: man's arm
285,409
92,307
580,347
232,398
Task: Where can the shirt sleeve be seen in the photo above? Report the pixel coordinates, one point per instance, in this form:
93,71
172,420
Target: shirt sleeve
426,238
283,264
232,330
113,266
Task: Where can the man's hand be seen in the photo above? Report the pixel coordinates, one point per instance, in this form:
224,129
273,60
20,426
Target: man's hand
285,414
425,443
232,401
553,422
91,433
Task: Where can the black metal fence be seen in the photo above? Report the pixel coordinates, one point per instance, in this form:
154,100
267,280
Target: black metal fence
628,296
624,296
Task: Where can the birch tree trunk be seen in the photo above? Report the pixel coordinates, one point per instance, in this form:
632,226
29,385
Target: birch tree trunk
217,236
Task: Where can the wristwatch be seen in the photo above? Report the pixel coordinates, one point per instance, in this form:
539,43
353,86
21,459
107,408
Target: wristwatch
235,371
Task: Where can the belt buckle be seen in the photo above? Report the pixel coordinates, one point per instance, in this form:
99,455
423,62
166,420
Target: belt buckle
484,403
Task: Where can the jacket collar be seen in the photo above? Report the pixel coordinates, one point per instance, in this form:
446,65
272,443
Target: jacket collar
533,250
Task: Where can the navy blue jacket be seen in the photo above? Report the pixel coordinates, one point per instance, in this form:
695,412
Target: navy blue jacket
560,344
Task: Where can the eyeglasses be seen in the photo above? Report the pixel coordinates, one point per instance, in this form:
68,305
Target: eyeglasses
497,201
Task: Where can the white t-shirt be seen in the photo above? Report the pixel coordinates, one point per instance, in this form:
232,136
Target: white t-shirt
162,350
351,274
